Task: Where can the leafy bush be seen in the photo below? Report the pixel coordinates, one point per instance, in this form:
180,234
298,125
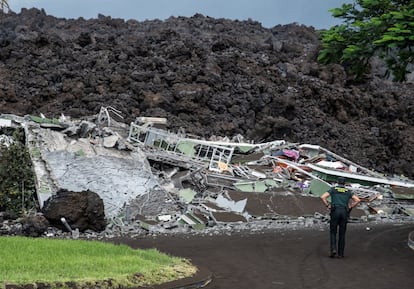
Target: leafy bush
370,28
17,185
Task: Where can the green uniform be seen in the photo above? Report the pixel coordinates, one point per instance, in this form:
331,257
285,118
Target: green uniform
340,197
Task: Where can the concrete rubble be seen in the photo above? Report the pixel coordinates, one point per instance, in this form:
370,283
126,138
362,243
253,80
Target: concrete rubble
153,181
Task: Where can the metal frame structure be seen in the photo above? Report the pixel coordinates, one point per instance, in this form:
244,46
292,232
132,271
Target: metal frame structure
4,5
180,146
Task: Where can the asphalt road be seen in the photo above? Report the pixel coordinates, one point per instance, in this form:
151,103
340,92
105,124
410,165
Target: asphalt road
378,258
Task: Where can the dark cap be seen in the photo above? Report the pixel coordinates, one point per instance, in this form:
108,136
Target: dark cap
341,180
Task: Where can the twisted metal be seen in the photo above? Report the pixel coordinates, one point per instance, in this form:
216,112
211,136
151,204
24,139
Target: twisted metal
4,5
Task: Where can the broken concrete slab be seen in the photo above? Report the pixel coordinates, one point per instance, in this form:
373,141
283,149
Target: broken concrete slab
256,186
332,175
315,153
79,165
234,182
110,141
408,210
228,217
318,187
402,193
6,140
5,122
382,209
285,204
187,195
192,220
231,205
151,204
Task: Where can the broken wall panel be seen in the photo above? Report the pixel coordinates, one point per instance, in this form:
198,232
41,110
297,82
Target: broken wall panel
193,220
180,145
332,176
318,187
228,217
402,193
260,186
259,204
116,176
234,206
231,188
187,195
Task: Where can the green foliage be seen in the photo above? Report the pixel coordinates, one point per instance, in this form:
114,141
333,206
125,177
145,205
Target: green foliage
371,27
44,120
89,264
17,187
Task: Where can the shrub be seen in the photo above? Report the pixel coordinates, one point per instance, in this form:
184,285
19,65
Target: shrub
17,182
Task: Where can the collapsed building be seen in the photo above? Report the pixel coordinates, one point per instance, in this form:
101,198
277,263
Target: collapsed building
154,180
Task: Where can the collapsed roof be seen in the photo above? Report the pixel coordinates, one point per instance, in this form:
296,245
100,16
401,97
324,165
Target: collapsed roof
159,180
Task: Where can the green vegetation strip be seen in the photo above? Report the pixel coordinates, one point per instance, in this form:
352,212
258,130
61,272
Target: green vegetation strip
81,263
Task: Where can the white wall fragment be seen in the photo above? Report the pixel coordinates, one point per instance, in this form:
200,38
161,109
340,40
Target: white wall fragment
5,122
234,206
116,176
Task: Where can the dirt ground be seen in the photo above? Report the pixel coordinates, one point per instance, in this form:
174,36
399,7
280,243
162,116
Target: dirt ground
376,258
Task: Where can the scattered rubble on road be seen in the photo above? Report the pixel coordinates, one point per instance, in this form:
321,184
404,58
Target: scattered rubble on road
155,181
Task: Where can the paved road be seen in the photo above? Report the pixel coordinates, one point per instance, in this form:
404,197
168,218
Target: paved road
377,259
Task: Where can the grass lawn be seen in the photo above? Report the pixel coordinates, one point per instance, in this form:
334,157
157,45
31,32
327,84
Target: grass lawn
60,262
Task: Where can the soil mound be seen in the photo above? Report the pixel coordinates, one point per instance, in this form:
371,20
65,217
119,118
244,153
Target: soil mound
208,76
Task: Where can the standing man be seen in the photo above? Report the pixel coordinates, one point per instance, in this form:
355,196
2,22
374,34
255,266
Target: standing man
342,201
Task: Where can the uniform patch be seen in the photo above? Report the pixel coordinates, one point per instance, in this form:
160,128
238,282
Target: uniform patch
341,190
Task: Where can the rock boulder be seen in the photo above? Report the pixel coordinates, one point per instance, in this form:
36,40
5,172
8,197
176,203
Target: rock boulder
82,210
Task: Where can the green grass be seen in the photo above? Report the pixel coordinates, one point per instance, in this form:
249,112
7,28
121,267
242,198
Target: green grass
56,262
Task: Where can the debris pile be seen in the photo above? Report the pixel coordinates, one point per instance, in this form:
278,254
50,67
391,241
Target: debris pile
155,181
209,76
225,181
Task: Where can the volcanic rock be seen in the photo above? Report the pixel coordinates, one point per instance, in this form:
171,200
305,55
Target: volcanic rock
82,210
207,76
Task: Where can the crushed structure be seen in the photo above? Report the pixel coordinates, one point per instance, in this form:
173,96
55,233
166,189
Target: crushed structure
162,181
